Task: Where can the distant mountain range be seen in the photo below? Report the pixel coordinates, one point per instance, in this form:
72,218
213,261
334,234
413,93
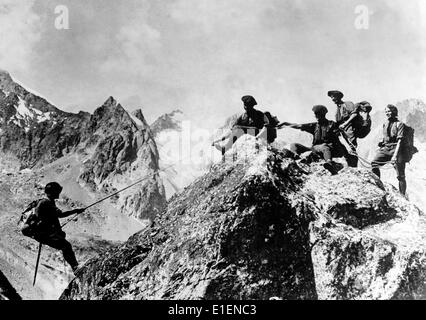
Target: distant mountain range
115,148
91,156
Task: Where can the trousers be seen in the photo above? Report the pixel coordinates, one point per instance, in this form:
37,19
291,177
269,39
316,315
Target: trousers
325,151
351,139
57,241
385,154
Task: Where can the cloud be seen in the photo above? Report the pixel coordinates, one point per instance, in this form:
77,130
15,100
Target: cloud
203,55
137,45
19,31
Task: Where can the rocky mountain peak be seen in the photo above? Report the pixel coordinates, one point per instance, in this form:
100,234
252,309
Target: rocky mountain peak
139,118
6,82
175,113
265,226
117,151
168,121
111,115
5,76
110,103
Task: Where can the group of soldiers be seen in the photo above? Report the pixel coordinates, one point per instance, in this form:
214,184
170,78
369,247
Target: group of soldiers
326,144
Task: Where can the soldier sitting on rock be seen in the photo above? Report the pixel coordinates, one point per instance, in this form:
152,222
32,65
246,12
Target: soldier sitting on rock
252,121
325,144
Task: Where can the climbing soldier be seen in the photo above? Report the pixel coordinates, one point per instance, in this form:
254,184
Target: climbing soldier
390,148
49,231
253,122
325,144
346,115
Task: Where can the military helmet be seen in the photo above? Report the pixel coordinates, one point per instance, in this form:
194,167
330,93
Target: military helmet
53,188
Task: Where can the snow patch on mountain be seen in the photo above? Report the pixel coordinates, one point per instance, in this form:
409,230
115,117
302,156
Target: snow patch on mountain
136,120
185,150
22,110
25,116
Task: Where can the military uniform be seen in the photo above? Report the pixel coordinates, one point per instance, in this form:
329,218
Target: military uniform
50,232
256,119
393,131
325,140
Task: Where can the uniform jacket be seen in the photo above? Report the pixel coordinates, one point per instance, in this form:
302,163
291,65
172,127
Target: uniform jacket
49,215
257,119
393,131
323,132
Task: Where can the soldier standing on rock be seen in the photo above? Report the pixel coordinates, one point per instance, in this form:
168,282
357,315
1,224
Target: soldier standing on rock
389,147
346,113
49,231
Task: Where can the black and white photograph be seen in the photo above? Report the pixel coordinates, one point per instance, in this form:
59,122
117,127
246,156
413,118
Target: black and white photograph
231,151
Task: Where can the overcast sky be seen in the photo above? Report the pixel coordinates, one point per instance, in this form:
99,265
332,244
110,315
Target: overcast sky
202,55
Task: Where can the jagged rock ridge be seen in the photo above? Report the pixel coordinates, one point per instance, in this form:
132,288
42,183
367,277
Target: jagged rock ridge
265,226
168,121
116,147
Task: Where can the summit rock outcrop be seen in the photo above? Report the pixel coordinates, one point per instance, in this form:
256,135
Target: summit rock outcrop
264,226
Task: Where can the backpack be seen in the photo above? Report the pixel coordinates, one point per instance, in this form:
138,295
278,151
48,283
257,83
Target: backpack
407,148
362,125
271,129
29,222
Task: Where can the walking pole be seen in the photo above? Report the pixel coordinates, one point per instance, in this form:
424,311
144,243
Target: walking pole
111,195
38,259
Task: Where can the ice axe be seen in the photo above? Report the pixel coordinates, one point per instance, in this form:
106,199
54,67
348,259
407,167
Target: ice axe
38,259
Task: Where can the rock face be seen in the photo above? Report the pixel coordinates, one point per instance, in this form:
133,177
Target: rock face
115,148
124,153
266,226
7,292
168,121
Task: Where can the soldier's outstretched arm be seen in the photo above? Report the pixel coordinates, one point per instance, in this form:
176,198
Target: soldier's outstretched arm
70,213
290,125
224,137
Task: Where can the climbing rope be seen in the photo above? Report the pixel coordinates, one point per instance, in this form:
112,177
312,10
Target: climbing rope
115,193
364,162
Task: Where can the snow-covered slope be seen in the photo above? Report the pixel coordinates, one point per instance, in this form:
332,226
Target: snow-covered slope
184,148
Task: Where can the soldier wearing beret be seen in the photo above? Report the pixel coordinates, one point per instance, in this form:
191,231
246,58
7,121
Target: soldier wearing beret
252,121
325,144
389,148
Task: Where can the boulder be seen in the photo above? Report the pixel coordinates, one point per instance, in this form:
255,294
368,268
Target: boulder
263,226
